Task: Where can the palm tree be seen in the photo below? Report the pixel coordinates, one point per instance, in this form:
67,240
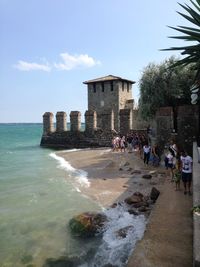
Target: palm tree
191,52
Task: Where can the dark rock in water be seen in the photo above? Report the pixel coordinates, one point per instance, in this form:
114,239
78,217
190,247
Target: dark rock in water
154,194
143,209
140,204
138,194
147,176
61,262
114,205
133,212
87,224
135,198
120,169
122,233
126,164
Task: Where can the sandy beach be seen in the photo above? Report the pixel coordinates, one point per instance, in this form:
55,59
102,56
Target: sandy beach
113,175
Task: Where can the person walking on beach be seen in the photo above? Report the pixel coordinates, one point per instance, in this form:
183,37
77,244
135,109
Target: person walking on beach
129,143
173,148
146,150
123,143
186,166
170,164
155,155
177,174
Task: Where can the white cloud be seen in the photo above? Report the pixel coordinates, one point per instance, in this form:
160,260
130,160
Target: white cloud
70,62
29,66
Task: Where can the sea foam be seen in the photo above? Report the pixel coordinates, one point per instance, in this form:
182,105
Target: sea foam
80,176
114,249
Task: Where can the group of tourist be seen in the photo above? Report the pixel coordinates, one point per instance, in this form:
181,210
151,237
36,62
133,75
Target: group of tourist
132,141
178,162
137,142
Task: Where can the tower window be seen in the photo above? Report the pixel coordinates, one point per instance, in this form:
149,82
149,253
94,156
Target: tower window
111,84
122,86
128,87
94,87
102,87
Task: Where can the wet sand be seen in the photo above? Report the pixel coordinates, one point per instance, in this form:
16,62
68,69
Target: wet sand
113,175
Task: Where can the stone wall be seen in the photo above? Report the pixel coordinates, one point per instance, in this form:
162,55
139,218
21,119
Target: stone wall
164,125
139,123
196,202
125,121
187,126
99,129
187,121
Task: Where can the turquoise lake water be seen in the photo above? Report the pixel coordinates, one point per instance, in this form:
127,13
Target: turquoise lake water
39,194
36,199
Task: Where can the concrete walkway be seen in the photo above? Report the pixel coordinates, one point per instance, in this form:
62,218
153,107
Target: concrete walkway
167,241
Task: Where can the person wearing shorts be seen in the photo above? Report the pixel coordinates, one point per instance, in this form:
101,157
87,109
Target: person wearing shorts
186,166
170,165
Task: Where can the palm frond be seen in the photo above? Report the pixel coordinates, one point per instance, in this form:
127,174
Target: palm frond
190,33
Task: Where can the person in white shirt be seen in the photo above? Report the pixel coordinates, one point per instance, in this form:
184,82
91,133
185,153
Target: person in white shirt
146,150
170,165
186,167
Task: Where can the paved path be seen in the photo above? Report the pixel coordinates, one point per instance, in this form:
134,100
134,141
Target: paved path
168,238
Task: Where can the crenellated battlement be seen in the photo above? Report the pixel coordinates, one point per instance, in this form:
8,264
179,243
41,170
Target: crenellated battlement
99,128
110,112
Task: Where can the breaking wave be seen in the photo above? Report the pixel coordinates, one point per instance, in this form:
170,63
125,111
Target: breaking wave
79,176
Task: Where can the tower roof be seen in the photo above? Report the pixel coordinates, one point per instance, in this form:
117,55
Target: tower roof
108,78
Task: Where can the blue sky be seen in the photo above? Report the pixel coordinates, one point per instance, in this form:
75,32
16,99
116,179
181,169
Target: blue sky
49,47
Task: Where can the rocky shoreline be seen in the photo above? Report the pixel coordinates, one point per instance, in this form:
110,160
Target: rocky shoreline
116,179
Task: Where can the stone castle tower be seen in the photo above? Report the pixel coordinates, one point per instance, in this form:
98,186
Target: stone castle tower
110,93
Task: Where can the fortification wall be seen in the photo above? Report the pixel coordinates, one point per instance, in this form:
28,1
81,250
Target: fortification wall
92,136
186,121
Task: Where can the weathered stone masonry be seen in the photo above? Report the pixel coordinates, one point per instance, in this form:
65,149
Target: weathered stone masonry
110,92
110,109
75,138
187,121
